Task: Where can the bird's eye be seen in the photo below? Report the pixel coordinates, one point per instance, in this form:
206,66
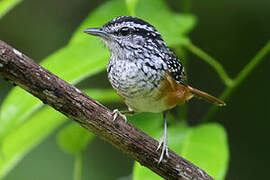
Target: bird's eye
124,31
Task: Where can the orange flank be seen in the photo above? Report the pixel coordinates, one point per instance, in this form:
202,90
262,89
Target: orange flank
175,93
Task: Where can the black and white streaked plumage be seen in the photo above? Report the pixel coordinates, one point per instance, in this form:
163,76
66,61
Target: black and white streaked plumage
144,71
145,42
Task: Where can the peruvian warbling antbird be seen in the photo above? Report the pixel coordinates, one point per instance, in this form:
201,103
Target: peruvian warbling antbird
144,71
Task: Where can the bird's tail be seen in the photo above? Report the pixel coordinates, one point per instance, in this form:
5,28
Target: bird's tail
207,97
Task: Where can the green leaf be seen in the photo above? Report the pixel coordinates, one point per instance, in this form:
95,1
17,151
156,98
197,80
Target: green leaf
205,146
149,123
103,95
73,138
7,5
40,124
26,136
13,111
131,4
172,26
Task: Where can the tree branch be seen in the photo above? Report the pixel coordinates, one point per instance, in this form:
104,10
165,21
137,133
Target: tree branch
76,105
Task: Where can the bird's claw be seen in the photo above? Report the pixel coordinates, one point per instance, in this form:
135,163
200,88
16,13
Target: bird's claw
164,149
117,113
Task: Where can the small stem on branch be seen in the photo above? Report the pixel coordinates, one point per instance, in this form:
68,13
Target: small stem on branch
239,78
212,62
78,164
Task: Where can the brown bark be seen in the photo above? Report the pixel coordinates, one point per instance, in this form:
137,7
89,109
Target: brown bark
76,105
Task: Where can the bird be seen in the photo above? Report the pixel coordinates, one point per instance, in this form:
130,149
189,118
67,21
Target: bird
144,71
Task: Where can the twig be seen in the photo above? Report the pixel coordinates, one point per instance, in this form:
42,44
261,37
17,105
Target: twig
78,166
212,62
239,78
76,105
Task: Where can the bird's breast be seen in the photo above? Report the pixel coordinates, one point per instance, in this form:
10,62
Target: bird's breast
138,83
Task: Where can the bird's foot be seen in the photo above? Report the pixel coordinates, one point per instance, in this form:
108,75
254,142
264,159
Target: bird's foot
117,113
163,146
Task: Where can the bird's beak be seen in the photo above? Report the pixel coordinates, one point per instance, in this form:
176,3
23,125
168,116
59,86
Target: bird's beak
96,32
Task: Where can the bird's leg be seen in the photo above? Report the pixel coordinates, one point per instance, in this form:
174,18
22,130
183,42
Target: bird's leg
163,143
129,111
122,114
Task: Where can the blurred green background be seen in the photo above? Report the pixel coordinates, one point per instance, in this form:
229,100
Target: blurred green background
231,31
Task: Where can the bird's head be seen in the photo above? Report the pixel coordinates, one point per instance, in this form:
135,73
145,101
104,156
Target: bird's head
126,34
